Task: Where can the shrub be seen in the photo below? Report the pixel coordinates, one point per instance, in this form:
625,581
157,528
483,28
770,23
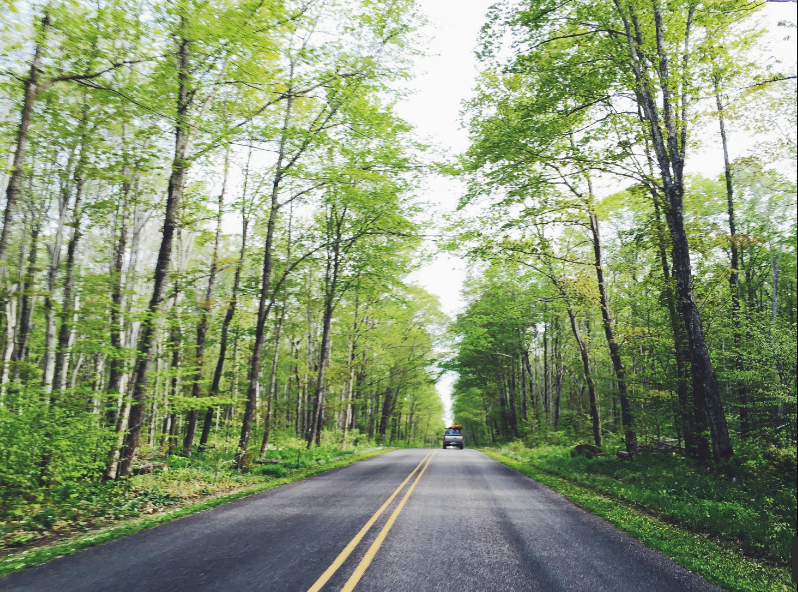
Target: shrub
271,470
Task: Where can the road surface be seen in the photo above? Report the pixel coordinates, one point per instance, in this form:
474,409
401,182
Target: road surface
408,520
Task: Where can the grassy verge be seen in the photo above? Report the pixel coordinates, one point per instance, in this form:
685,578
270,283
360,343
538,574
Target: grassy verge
38,555
717,560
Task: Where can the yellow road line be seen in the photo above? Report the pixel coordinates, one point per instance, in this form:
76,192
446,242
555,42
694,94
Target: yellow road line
354,542
375,546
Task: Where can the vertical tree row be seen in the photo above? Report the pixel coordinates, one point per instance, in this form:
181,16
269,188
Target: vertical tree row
581,131
208,224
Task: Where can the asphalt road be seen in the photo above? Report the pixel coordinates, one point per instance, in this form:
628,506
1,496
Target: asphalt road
461,522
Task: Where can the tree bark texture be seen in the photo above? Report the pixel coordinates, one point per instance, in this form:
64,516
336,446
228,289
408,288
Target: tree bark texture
630,437
668,132
175,189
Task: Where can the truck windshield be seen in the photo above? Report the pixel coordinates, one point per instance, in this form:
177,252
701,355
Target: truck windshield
452,432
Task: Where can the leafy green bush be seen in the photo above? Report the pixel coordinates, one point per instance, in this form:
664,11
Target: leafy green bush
62,504
45,518
271,470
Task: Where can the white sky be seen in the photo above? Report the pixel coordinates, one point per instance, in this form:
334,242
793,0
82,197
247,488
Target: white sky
446,76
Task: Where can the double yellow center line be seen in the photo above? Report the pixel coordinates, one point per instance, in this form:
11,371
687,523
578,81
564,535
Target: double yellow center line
375,546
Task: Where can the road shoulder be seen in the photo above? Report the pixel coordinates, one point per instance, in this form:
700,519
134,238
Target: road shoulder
714,560
14,562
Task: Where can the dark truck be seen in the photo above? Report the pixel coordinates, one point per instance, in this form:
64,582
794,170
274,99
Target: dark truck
453,436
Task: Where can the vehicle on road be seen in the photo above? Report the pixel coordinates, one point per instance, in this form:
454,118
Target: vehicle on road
453,436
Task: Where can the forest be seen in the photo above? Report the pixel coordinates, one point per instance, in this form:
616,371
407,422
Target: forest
614,293
213,213
621,296
209,221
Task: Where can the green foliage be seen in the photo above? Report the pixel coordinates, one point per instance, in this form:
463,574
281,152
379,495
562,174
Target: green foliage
756,508
715,558
127,95
16,561
78,505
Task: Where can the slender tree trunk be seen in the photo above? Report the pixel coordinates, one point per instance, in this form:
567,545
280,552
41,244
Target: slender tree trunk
591,387
273,374
775,261
530,374
668,132
49,307
14,186
630,438
375,404
546,392
26,313
512,399
299,428
67,308
524,397
175,189
558,369
202,326
228,318
257,352
350,384
331,284
117,327
387,409
734,275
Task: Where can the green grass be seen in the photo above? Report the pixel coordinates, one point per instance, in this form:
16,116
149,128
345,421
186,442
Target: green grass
625,495
261,479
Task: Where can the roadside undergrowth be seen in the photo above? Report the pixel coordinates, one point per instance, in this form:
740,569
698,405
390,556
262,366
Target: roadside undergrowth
149,500
719,559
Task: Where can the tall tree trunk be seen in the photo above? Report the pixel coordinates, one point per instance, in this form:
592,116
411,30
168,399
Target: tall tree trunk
14,186
273,374
734,275
117,326
174,383
48,368
350,388
775,261
630,438
331,284
177,179
512,399
350,365
692,415
299,427
257,350
375,404
228,318
524,399
68,305
668,133
591,387
705,384
387,409
26,313
595,415
558,369
275,357
266,276
531,375
546,402
205,313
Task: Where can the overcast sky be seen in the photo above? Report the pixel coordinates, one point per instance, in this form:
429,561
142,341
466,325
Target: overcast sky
445,76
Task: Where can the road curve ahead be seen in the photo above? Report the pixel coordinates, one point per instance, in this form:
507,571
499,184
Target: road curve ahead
408,520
